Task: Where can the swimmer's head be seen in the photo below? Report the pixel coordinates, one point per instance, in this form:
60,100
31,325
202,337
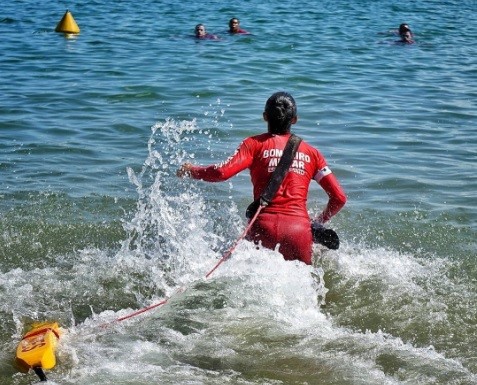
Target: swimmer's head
403,28
406,37
200,30
280,113
234,24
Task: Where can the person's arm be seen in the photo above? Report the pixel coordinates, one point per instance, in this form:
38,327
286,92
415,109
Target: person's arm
336,194
240,160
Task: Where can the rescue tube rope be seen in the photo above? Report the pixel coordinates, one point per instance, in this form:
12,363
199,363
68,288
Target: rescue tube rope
41,331
225,256
231,250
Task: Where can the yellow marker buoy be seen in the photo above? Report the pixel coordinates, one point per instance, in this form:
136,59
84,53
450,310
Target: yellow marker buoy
67,24
37,348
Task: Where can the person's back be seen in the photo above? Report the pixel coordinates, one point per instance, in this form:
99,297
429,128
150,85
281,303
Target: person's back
285,221
291,196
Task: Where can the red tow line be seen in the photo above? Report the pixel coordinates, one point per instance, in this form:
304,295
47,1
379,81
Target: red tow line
231,250
225,256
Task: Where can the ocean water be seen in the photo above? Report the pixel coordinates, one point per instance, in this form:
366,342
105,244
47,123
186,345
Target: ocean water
94,225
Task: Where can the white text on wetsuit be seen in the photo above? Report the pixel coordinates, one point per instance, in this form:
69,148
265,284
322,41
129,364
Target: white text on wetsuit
298,165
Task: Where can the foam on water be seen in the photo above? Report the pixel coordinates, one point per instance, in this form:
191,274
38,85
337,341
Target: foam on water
258,315
256,320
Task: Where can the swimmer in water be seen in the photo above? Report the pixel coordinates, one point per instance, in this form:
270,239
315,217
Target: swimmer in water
406,34
234,27
201,33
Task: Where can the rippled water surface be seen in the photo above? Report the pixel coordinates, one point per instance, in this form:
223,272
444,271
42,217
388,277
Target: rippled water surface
94,225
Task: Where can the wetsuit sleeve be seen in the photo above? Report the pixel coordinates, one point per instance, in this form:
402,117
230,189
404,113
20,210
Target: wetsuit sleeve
336,195
239,161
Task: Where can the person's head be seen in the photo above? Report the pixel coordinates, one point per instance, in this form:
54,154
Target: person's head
280,113
234,25
403,28
200,30
406,37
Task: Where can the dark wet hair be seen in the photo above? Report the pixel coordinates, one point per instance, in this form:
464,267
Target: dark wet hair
403,28
280,109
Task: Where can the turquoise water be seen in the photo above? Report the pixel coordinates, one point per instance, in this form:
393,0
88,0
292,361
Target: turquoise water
94,224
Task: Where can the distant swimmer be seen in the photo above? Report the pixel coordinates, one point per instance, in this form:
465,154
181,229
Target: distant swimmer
201,33
406,34
403,28
234,27
403,31
406,38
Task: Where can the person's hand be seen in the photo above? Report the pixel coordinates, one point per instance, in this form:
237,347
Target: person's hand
317,225
184,170
324,236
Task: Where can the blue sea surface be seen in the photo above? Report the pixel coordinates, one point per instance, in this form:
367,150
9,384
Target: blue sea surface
94,224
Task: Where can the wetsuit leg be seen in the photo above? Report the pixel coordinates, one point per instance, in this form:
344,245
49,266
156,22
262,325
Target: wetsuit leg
292,233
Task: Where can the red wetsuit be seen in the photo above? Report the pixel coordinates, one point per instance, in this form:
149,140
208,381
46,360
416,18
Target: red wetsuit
240,31
285,220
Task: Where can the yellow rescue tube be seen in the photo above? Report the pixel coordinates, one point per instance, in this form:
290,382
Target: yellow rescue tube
37,347
67,24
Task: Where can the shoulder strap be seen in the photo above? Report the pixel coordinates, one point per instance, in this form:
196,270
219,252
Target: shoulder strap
281,170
